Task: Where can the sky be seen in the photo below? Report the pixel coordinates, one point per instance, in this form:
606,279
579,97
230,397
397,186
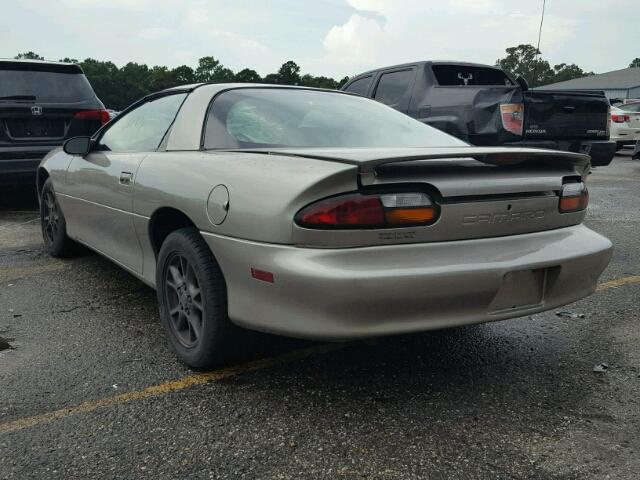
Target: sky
325,37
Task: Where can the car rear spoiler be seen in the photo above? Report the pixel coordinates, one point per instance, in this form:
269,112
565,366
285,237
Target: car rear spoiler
369,159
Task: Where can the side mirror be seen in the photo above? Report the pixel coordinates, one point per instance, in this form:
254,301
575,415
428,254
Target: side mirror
77,146
523,83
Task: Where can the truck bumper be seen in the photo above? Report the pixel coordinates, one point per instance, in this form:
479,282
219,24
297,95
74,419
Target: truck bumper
347,293
601,152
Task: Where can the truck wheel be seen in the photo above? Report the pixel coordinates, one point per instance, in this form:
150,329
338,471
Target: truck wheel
53,224
192,298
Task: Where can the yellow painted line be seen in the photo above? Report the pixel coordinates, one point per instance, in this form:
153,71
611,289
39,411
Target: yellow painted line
168,387
203,378
619,282
8,274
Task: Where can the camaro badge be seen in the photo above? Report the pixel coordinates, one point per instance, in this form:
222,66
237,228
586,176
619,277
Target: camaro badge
502,217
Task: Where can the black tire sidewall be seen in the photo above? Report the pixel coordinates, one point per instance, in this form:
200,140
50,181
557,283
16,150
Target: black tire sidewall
213,347
59,245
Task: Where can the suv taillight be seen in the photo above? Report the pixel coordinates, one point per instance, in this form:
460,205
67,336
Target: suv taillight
99,115
512,117
356,210
619,118
574,197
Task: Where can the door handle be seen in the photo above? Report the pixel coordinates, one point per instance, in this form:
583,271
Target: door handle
125,178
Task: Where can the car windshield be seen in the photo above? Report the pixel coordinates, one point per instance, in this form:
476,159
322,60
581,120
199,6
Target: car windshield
280,117
38,85
630,107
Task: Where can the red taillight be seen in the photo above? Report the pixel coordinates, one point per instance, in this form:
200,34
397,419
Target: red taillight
619,118
574,197
512,117
355,210
99,115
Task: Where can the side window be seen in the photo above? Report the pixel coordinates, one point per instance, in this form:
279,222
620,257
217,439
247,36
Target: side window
360,86
142,129
394,89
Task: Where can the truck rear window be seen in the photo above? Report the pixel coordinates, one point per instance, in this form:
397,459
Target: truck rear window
43,83
469,75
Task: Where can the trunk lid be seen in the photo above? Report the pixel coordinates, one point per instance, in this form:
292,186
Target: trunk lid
565,115
482,192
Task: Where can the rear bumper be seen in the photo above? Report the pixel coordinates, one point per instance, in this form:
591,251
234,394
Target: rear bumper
20,164
601,152
337,294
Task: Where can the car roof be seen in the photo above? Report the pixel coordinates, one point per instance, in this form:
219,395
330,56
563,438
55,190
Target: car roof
32,61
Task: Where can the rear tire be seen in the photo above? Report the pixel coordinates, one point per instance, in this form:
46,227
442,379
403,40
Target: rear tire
54,225
192,299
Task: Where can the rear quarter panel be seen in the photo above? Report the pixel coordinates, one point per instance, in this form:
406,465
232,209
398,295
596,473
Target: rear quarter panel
265,192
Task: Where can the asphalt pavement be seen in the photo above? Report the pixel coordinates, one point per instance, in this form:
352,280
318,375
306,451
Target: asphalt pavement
90,389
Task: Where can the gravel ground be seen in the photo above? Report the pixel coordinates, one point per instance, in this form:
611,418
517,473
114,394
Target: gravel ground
510,400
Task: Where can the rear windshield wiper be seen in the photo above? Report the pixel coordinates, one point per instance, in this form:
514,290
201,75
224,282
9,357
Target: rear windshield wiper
19,97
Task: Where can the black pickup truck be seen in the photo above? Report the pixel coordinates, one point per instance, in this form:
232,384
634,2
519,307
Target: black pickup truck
485,106
41,105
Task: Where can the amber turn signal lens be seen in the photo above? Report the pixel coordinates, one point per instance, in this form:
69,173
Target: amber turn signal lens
574,197
401,216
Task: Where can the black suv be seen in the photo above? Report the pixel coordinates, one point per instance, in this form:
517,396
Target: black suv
41,105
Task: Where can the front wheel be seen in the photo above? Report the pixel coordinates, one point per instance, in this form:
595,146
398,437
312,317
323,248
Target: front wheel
192,299
53,224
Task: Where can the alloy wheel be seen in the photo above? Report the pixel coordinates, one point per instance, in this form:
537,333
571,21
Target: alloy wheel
184,300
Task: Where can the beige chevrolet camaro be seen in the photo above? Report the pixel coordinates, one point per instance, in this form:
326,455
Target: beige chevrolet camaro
317,214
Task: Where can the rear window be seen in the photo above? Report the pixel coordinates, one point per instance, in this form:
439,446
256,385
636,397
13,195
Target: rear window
44,83
630,107
360,86
468,75
273,117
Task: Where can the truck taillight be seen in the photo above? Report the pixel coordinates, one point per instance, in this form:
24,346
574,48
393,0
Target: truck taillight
356,210
512,117
100,115
574,197
619,118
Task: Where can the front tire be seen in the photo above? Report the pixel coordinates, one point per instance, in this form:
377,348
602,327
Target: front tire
192,299
53,224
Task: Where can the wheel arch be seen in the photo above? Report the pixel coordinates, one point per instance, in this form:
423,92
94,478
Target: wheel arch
163,222
41,176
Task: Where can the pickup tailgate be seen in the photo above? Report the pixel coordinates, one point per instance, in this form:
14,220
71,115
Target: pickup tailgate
566,115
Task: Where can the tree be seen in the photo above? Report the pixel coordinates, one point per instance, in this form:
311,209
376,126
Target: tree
523,61
318,82
564,72
211,70
247,75
28,56
289,73
635,63
184,75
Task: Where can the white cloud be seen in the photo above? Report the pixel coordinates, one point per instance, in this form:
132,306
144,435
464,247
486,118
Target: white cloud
354,42
155,33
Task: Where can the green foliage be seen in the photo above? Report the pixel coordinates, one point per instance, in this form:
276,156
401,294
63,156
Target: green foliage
525,61
119,87
247,76
28,56
564,72
635,63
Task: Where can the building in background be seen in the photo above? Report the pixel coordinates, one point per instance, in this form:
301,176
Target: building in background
617,85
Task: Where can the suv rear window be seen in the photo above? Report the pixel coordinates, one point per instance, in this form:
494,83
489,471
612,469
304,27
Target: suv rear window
461,75
48,83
